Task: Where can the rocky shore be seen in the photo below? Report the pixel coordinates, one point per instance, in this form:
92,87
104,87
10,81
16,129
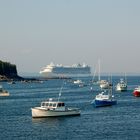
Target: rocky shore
13,78
8,72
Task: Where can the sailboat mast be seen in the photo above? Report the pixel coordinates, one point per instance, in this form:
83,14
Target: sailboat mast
125,78
93,78
99,76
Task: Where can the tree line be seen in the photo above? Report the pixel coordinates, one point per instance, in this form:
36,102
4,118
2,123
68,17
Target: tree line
7,69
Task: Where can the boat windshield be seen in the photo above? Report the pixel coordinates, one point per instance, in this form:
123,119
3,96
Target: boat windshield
60,104
52,105
43,104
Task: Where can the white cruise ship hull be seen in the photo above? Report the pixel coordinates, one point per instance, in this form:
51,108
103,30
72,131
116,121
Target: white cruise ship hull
39,113
53,75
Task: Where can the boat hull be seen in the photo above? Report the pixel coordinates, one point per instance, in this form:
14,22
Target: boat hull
101,103
40,113
54,75
136,93
118,88
4,94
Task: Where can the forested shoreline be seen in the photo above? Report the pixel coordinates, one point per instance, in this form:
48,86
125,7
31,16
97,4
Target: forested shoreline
8,71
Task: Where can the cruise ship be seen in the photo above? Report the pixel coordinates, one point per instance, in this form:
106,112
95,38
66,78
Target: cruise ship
60,71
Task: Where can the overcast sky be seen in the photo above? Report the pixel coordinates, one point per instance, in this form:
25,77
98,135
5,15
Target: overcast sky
34,33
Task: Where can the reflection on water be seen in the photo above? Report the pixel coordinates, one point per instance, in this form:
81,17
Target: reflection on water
50,121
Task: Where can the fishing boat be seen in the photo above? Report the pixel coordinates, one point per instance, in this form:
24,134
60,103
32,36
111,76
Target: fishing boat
136,92
52,108
121,86
3,92
104,99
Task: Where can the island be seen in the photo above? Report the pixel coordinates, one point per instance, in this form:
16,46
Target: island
8,72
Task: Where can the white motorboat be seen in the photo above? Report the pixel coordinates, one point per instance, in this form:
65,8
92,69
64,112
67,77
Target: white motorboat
121,86
3,92
52,108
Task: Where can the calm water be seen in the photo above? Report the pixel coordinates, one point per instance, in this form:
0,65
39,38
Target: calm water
119,122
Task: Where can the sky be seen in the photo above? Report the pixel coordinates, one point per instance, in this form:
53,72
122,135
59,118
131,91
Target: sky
34,33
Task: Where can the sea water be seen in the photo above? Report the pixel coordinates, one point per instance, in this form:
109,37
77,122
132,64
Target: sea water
118,122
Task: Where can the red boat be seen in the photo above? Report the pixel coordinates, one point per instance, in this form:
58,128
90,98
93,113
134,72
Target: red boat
136,92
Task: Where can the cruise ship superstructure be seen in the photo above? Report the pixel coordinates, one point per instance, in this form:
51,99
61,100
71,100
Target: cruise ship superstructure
60,71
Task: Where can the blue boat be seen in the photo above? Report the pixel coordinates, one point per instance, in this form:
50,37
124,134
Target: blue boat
104,99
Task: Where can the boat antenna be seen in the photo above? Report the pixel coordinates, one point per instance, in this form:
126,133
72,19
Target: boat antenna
60,91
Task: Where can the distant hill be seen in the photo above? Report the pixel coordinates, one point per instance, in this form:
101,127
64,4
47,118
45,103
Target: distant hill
8,71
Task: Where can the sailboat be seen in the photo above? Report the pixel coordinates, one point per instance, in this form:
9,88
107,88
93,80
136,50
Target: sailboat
98,73
104,84
54,108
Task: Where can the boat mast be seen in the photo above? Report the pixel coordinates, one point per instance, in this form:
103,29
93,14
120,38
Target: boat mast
60,91
99,76
93,78
110,86
125,78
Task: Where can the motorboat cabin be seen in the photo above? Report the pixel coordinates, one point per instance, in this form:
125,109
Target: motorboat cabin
53,105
